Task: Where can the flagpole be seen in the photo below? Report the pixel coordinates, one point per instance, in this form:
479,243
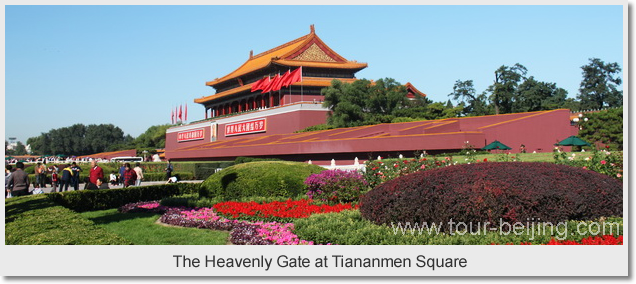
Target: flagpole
301,83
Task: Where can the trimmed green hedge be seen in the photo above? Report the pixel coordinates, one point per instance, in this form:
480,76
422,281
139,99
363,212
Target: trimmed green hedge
90,200
349,228
36,220
270,178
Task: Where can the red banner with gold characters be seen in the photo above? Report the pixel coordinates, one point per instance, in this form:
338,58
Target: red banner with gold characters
195,134
245,127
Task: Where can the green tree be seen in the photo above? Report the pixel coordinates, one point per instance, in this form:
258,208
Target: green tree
77,139
532,95
154,137
474,105
599,85
604,126
363,102
504,87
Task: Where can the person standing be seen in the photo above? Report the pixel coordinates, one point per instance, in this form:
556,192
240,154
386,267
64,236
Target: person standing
95,173
169,170
140,174
76,176
43,175
129,176
7,173
54,178
38,175
19,181
122,178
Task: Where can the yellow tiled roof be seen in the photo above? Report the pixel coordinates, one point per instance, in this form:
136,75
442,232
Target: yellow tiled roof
280,55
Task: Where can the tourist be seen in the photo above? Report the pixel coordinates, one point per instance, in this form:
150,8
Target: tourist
7,173
99,184
38,175
169,170
140,174
76,175
43,177
67,178
54,177
122,169
19,181
172,180
113,179
129,176
95,173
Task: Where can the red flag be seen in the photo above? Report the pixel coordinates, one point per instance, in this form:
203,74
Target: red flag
186,113
285,79
172,116
296,76
180,113
270,87
258,85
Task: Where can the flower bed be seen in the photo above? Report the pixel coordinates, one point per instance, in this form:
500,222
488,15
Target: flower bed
277,210
591,240
242,232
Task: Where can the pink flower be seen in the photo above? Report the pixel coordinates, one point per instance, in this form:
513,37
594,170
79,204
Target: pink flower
603,162
619,175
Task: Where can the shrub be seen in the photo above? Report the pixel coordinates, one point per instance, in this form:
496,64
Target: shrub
275,179
349,228
241,160
604,162
379,171
495,193
336,186
90,200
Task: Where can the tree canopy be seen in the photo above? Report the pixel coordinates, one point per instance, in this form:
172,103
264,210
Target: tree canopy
604,126
599,87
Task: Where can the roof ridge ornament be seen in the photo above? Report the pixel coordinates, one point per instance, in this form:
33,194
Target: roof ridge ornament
312,29
251,54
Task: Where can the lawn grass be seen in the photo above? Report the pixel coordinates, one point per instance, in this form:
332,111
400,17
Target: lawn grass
142,229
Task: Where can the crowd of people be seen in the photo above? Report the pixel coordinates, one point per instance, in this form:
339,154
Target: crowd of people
64,177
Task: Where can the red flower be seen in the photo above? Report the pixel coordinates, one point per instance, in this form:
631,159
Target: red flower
485,159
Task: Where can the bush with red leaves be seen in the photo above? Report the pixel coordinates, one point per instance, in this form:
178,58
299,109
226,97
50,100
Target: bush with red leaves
495,193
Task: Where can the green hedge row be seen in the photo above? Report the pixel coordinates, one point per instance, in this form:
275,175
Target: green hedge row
349,228
90,200
36,220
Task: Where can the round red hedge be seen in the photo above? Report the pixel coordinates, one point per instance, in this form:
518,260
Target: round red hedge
495,192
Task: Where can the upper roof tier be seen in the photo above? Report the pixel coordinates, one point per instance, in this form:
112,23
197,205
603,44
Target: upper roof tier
307,51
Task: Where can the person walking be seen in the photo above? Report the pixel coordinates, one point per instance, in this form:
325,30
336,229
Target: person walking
95,173
19,181
169,170
129,176
140,174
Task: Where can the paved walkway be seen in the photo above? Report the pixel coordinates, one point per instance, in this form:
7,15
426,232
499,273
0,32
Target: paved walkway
48,187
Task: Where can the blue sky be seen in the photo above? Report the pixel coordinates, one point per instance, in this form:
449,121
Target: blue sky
130,65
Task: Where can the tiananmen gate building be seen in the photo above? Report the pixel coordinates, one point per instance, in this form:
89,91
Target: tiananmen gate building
257,108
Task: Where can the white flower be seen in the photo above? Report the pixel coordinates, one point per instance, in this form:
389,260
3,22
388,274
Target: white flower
587,159
573,155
